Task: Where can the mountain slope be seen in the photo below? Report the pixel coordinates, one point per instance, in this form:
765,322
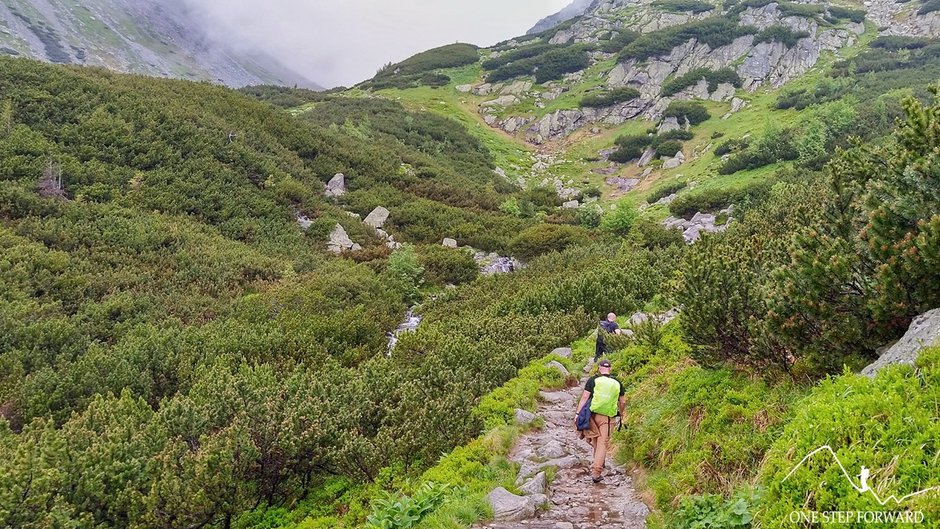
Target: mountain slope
575,9
151,37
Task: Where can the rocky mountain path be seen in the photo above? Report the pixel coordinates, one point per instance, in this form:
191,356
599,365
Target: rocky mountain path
573,500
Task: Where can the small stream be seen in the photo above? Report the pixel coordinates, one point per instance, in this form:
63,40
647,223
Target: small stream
410,324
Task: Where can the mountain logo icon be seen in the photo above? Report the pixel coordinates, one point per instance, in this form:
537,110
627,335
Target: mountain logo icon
861,485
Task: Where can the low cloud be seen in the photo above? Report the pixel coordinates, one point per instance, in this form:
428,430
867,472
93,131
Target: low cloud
343,42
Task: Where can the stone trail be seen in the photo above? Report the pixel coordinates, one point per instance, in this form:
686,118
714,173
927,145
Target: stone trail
573,500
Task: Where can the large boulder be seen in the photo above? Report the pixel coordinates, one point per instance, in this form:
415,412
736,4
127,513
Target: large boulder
509,507
377,218
336,187
564,352
923,332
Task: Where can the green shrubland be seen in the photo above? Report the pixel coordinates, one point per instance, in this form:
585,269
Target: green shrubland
413,70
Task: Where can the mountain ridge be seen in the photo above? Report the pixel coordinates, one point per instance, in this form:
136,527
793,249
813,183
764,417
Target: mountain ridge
163,39
575,9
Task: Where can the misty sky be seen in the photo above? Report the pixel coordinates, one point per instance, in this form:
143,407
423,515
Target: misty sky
342,42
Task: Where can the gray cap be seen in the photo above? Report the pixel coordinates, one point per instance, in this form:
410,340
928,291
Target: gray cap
604,363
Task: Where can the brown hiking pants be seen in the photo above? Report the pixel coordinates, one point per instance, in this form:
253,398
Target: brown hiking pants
599,437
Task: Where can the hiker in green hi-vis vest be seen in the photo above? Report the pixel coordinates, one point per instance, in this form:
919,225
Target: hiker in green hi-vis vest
606,394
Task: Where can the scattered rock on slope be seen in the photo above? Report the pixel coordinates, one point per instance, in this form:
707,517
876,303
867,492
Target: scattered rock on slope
340,241
377,217
923,332
336,187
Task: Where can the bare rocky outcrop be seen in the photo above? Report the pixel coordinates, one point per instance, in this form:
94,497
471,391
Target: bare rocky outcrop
924,332
563,122
758,64
898,18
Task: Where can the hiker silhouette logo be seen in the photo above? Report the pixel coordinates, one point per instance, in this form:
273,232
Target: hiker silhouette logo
859,482
864,482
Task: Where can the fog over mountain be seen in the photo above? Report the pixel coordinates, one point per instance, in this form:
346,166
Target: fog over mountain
342,43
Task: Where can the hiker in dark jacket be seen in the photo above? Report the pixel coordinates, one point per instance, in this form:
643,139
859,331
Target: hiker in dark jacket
608,326
606,394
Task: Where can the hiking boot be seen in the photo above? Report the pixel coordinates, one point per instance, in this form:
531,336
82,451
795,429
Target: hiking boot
596,479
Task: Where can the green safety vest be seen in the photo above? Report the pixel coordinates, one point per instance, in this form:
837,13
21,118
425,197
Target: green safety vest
606,395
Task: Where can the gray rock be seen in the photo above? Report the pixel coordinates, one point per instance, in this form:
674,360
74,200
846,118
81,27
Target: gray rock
571,204
703,219
564,525
555,396
672,163
692,234
517,88
464,88
509,507
377,218
513,124
552,450
723,92
557,365
483,89
675,222
562,462
604,154
563,352
535,485
449,243
336,187
668,125
501,101
646,157
622,184
666,200
538,500
340,241
638,318
924,332
523,417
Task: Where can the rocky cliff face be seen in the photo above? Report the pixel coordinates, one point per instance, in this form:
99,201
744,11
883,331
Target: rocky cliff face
151,37
759,62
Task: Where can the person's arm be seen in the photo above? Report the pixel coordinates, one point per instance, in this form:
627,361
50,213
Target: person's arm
585,395
621,405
